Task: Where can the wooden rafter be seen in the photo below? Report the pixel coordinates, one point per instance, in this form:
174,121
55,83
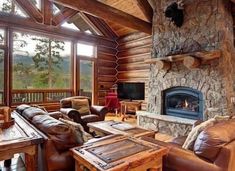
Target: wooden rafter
31,10
106,12
63,16
24,23
102,26
47,11
146,9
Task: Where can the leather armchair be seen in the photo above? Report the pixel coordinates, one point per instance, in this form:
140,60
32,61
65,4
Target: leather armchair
97,112
214,150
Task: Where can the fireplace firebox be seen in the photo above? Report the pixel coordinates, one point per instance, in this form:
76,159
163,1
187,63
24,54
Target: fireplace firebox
183,102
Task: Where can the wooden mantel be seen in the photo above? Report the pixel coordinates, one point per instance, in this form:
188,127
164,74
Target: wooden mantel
190,60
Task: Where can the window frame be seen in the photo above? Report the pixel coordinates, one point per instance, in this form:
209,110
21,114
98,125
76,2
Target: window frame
94,72
50,36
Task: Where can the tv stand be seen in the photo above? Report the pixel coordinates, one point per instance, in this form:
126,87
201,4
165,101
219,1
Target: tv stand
129,104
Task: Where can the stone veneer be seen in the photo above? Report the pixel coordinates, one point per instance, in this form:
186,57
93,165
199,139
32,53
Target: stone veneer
207,79
205,28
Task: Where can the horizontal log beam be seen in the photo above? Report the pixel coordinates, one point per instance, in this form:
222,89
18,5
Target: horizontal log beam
106,12
23,23
31,10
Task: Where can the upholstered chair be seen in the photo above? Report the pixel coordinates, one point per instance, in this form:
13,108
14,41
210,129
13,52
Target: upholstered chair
80,110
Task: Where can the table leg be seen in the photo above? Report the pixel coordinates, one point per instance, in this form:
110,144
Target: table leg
31,159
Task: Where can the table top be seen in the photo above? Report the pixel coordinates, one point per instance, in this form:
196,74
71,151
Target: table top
116,127
19,135
117,153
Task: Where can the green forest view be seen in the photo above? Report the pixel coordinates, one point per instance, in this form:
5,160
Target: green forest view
40,62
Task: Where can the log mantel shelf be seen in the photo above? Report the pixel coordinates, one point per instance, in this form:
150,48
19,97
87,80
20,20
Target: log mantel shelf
190,60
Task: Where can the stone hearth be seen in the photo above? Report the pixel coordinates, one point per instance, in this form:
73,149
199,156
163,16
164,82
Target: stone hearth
205,28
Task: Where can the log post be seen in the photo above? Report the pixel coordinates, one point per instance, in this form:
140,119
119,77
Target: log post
191,62
162,65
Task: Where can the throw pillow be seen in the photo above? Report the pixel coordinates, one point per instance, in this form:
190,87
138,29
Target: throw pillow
192,136
81,135
82,106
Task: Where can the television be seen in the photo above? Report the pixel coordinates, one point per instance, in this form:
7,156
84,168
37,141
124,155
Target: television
131,91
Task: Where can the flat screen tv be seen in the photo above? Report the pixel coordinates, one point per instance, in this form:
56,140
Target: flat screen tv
131,91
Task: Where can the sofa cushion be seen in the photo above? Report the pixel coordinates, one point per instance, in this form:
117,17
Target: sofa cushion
212,139
30,112
82,105
192,136
60,133
81,135
19,109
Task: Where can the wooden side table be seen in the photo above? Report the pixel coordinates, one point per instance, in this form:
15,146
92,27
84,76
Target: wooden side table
20,138
129,104
119,153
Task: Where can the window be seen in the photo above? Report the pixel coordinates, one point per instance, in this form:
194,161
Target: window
86,78
41,62
2,36
1,76
37,3
70,26
85,50
9,6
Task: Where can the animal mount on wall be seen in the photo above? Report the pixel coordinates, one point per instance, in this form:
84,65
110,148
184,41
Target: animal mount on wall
175,13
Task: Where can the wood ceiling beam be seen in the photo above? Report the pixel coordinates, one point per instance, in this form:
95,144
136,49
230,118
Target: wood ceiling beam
102,26
24,23
63,16
47,11
31,10
146,9
106,12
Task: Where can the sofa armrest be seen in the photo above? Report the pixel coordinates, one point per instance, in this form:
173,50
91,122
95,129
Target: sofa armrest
72,114
101,111
181,160
56,114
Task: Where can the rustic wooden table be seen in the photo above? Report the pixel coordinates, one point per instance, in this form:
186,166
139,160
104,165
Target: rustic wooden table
20,138
125,105
103,128
119,153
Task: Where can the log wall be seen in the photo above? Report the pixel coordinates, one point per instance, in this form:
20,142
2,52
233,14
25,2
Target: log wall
132,51
106,75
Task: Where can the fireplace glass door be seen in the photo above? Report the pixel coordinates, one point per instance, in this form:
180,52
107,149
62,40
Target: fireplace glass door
183,102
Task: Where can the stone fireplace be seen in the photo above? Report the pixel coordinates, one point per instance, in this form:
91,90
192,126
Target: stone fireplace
183,102
177,92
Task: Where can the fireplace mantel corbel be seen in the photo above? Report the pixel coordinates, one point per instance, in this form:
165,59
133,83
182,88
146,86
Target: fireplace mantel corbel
190,60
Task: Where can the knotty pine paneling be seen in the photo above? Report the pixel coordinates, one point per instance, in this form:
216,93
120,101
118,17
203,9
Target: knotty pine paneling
106,71
132,51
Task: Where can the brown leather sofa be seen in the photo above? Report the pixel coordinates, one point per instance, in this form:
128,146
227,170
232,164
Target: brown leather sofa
214,150
97,112
59,138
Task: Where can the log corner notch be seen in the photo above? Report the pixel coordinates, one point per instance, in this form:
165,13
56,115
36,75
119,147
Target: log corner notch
190,60
100,10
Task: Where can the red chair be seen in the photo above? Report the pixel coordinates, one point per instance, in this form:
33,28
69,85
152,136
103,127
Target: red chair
112,102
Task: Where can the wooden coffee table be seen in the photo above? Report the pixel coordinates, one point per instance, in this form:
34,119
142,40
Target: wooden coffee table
20,138
119,153
104,128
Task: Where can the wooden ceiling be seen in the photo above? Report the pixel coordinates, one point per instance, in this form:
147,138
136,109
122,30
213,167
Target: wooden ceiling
129,6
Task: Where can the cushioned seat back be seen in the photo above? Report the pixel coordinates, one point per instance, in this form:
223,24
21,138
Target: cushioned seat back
212,139
67,102
60,133
21,108
30,112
